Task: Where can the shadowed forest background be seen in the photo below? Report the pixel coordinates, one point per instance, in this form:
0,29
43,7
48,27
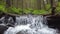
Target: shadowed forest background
35,7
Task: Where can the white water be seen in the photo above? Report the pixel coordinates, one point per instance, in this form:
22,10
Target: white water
30,25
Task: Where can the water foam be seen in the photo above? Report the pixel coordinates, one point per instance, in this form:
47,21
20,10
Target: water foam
30,25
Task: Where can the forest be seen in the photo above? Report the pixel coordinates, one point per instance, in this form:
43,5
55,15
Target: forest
29,16
35,7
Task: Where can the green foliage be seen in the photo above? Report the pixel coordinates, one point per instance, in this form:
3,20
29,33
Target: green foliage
58,4
28,11
39,12
58,8
2,8
36,12
43,12
14,10
10,10
48,6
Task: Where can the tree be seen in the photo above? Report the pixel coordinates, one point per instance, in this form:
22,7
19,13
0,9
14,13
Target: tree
53,6
39,4
8,3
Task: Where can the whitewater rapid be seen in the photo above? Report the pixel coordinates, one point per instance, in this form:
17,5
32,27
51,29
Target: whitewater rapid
30,25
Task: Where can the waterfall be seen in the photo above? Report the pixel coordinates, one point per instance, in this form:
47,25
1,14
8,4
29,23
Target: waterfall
30,25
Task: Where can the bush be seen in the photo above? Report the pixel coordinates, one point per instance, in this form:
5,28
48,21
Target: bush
48,6
28,11
58,4
2,9
39,12
36,12
14,10
11,10
58,10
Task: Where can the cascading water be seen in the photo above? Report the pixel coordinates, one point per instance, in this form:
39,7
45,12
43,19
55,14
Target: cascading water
30,25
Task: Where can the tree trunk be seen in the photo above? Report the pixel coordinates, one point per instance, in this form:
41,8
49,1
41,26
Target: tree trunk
44,4
53,6
8,3
39,4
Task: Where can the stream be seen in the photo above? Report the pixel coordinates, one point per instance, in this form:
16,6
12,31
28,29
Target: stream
28,25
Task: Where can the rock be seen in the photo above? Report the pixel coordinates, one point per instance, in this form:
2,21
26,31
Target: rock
54,22
6,15
3,29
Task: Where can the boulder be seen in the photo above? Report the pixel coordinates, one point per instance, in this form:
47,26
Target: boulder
3,29
53,22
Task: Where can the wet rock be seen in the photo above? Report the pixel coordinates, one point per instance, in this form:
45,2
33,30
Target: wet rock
7,19
7,16
20,32
3,29
54,22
